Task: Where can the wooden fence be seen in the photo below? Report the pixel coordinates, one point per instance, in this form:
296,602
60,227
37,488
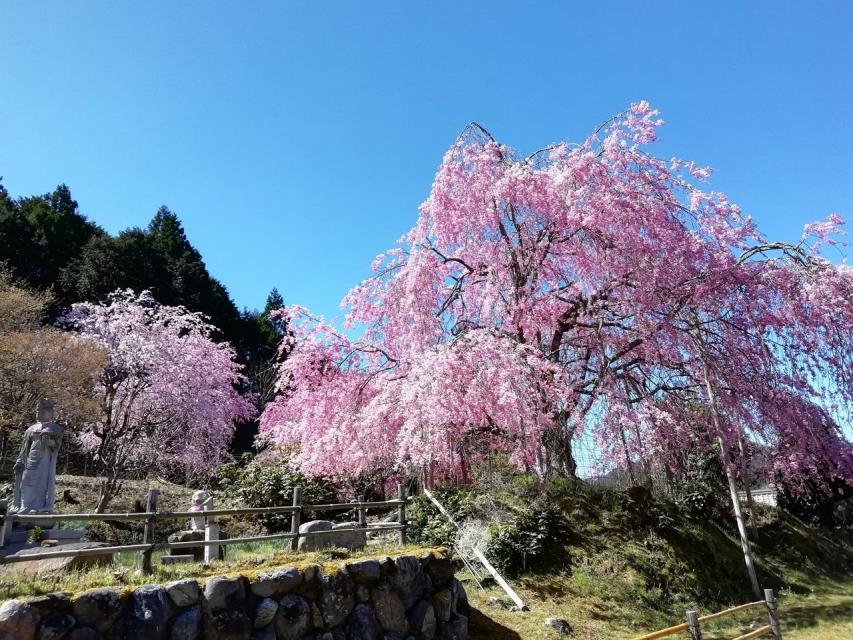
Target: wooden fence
694,622
152,515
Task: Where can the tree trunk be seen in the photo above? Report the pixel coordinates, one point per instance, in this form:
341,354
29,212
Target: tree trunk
558,457
109,486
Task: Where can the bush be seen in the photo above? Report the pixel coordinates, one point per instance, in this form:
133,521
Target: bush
533,540
270,483
427,525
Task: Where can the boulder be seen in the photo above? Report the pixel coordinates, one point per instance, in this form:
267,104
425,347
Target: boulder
293,617
83,633
265,633
225,594
56,626
362,625
364,571
274,584
349,539
315,543
232,625
442,603
265,612
438,567
150,610
362,593
18,620
458,627
51,603
409,579
183,593
389,610
422,621
187,625
58,564
336,598
99,608
459,598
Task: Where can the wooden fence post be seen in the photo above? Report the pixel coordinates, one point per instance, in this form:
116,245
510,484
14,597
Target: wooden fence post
148,530
772,613
693,625
362,514
296,518
401,512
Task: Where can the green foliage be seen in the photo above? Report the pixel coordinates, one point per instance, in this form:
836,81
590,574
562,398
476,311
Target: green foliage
427,525
534,540
270,483
819,506
35,535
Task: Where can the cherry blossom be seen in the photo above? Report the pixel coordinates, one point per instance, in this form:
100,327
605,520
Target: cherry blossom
169,393
586,288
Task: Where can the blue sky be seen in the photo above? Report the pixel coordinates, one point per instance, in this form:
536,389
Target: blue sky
296,139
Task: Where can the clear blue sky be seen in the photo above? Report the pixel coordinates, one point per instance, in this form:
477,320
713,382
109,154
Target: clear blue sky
296,139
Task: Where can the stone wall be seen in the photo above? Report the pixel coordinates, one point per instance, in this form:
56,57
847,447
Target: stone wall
406,597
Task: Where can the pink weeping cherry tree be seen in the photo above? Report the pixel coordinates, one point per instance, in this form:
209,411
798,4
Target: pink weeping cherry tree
586,290
169,395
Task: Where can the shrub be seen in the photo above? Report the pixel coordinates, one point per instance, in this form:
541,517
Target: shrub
427,525
533,540
270,482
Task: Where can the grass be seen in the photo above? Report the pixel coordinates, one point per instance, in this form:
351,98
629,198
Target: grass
247,560
824,614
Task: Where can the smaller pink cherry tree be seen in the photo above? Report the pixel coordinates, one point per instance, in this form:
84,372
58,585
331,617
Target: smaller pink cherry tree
169,395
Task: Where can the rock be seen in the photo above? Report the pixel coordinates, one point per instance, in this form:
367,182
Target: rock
364,571
362,625
56,626
99,608
460,598
293,617
458,627
51,603
83,633
150,613
188,536
274,584
442,603
349,539
59,564
422,620
389,610
439,568
314,543
362,593
559,625
336,598
187,626
409,580
316,617
265,612
232,625
266,633
18,620
225,594
183,593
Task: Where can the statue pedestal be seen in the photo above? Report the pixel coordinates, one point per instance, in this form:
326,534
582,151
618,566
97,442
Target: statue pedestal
18,535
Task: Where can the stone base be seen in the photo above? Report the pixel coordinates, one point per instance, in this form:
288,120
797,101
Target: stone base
56,564
18,535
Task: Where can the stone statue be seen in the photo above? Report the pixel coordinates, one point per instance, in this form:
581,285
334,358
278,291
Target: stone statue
201,502
35,468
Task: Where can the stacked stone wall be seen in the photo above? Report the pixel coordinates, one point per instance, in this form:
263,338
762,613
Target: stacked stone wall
401,598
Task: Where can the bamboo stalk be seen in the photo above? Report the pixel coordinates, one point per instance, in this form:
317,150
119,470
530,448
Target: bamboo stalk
761,631
663,633
720,614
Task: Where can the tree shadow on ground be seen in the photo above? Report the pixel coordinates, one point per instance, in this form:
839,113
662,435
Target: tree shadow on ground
482,627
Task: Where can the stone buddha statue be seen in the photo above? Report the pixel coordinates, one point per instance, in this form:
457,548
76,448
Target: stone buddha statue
35,468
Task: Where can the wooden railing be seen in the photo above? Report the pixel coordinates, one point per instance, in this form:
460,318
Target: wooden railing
694,621
152,515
